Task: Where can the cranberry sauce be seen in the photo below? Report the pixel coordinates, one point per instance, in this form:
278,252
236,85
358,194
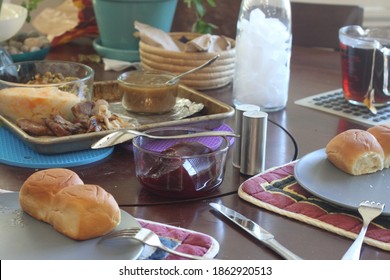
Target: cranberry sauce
183,177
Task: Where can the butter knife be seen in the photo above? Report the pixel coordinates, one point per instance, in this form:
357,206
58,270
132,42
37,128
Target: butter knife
255,230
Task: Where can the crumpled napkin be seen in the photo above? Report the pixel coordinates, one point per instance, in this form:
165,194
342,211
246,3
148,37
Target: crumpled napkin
158,38
119,65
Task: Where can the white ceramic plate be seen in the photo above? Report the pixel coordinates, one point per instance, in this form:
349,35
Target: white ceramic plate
23,237
321,178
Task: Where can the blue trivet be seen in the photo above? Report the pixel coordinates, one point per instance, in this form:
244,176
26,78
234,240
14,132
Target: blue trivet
14,152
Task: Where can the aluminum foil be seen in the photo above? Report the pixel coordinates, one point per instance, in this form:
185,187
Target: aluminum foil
182,109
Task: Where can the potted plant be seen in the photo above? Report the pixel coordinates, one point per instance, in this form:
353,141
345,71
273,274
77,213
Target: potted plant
200,25
115,19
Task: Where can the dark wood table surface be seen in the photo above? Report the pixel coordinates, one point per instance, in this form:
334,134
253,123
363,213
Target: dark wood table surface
292,133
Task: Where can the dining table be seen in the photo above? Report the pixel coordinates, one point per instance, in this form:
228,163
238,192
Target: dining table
292,133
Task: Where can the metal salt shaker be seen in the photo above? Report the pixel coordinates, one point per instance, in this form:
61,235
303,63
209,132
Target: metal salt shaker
240,109
253,142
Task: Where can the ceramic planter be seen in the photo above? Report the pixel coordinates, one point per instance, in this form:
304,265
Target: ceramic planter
115,19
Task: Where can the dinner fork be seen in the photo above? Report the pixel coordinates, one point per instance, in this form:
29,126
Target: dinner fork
369,210
148,237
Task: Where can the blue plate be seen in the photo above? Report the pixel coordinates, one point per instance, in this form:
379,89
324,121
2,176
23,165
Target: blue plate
37,55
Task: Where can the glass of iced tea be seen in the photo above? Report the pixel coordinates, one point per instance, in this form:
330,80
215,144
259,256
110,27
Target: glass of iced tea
364,64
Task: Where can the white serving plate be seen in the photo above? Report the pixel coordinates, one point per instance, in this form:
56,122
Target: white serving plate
23,237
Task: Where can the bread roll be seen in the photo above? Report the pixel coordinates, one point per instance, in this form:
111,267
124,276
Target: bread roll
36,104
59,197
382,134
38,190
84,211
355,152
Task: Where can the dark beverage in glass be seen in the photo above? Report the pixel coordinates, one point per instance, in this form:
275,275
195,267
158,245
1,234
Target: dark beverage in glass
358,70
364,65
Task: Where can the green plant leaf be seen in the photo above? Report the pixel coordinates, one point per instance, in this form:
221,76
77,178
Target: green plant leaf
200,26
30,5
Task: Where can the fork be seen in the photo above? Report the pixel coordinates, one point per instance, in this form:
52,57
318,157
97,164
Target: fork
148,237
369,210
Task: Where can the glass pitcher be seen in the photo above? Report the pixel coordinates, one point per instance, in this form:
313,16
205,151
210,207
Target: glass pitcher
364,64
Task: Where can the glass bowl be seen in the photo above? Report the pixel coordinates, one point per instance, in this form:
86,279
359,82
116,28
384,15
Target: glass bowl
146,92
180,168
36,90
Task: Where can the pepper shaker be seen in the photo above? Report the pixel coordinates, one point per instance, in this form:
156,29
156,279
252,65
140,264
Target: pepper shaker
253,142
240,109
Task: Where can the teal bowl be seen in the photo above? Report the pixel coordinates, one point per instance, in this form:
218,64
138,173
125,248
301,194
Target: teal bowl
28,56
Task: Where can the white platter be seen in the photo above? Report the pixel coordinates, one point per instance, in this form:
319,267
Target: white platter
321,178
23,237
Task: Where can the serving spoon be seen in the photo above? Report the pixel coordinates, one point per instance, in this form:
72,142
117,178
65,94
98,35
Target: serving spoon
178,77
123,135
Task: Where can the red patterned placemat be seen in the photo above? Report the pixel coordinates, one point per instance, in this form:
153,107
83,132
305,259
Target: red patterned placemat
179,239
277,190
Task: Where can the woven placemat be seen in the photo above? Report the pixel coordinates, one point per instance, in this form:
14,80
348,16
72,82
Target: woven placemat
179,239
278,191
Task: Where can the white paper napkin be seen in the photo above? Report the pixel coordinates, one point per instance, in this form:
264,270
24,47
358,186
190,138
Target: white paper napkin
119,65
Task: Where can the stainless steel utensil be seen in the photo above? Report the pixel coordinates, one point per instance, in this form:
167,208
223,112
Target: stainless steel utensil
148,237
369,210
207,63
124,135
255,230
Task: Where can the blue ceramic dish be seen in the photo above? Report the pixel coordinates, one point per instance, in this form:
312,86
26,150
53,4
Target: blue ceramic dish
37,55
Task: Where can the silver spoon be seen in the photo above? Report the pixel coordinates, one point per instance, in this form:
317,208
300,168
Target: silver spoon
207,63
124,135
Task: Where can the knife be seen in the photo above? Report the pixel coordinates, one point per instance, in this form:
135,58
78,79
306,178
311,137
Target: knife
255,230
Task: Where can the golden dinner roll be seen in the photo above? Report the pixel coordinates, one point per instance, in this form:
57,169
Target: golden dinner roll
37,192
382,134
59,197
84,211
356,152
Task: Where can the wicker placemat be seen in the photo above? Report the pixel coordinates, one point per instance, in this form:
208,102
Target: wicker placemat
277,190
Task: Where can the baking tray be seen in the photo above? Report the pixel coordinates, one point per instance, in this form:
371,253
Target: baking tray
211,116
